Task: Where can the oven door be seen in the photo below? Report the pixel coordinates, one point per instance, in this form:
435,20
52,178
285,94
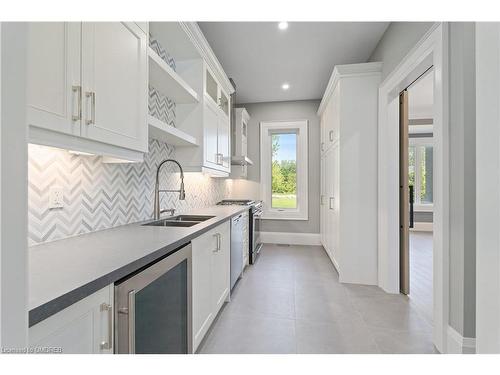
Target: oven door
153,314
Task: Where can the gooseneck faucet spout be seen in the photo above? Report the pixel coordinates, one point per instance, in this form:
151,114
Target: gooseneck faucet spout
181,191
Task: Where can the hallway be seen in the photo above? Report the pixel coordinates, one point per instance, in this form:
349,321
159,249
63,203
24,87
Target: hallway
292,302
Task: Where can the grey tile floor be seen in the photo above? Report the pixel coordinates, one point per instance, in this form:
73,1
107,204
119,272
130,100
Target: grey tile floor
292,302
421,272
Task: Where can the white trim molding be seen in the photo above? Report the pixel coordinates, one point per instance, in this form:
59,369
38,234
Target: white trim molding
422,227
346,71
431,50
289,238
457,344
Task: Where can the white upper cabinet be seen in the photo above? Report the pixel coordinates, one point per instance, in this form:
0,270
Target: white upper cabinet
114,84
54,87
211,125
87,87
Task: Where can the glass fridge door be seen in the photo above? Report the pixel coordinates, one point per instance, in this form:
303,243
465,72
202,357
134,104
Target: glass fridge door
154,308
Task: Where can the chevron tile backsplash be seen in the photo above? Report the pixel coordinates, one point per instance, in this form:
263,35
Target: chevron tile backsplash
98,195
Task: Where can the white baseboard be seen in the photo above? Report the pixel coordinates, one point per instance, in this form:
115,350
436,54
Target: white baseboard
457,344
422,227
290,238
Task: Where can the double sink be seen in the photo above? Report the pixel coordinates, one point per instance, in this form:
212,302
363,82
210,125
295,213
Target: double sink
180,221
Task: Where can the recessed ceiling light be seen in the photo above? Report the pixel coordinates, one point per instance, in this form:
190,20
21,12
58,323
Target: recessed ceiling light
283,25
285,86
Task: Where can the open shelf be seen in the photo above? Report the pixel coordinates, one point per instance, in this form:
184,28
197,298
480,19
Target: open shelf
163,78
169,134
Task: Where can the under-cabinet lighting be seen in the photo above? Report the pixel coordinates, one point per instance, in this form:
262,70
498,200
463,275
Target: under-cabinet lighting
285,86
283,25
80,153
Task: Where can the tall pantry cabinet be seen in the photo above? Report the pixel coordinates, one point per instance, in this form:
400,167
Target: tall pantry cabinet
348,208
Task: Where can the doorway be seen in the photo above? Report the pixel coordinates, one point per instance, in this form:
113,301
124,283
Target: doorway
416,104
431,50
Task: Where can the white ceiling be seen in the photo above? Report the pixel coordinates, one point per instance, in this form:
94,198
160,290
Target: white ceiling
260,57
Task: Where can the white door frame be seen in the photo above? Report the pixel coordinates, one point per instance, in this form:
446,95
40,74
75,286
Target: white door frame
432,49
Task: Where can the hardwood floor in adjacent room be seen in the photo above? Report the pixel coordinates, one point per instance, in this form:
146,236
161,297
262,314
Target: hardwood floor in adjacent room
291,301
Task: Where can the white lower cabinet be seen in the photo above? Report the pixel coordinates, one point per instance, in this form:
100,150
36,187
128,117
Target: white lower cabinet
210,288
85,327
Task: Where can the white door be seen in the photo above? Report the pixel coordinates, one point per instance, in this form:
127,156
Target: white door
220,266
54,76
223,139
323,198
211,124
202,248
115,79
85,327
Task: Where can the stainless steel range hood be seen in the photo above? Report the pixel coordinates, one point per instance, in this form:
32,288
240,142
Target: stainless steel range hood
236,156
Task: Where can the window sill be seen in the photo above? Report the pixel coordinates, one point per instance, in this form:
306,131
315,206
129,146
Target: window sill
423,207
283,217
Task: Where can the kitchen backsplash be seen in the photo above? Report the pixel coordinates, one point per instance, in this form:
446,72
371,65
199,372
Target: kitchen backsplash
99,195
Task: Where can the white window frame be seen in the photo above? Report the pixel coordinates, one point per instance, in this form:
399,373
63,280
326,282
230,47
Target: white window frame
266,129
417,142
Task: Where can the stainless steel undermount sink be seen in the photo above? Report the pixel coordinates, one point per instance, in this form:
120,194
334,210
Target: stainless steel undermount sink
179,221
198,218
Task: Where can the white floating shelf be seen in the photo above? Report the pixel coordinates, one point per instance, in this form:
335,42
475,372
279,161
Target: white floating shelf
163,78
169,134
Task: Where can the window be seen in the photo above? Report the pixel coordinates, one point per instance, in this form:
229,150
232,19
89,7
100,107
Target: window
284,171
420,171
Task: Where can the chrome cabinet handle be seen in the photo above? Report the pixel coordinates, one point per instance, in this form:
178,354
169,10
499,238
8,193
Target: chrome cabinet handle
330,134
109,343
218,239
322,146
331,202
78,90
321,200
131,322
91,95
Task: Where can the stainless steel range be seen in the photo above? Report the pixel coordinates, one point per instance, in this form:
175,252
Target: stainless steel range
255,208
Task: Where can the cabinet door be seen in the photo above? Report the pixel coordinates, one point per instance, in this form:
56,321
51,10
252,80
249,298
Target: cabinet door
85,327
115,79
221,266
54,76
211,125
322,203
223,141
202,248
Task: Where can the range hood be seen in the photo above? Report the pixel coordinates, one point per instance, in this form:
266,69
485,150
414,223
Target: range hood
237,157
241,160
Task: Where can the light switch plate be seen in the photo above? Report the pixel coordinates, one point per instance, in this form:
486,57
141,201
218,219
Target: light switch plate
56,197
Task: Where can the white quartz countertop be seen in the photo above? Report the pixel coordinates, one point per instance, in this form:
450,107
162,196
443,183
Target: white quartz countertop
65,271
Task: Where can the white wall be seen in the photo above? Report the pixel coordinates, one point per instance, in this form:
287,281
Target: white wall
13,187
276,111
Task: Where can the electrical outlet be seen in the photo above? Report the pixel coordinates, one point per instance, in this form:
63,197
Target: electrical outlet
56,197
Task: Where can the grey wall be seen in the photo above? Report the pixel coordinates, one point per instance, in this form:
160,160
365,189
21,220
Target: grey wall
277,111
397,41
462,178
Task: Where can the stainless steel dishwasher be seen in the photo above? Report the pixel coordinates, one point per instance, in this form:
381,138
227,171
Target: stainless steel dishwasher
236,248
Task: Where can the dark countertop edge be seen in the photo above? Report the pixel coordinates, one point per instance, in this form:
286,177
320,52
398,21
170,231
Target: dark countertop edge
46,310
